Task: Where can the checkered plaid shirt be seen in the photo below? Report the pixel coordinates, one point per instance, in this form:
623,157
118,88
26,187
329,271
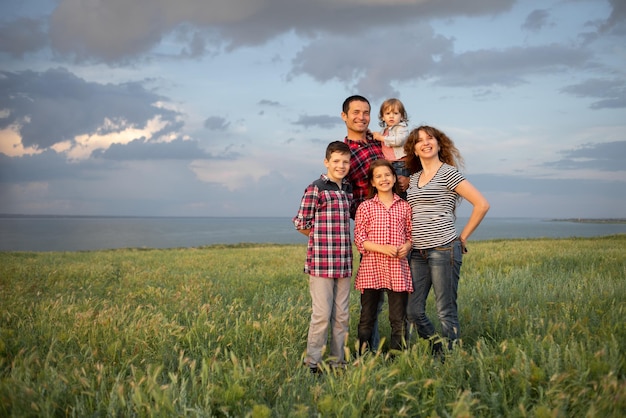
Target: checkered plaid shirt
362,153
375,223
325,209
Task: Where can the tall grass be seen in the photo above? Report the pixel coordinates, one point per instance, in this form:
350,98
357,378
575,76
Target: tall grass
221,331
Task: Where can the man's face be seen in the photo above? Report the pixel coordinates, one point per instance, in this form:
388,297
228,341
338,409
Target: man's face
358,117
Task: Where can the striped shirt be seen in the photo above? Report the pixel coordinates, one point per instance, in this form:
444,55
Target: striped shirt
433,207
377,224
362,153
325,209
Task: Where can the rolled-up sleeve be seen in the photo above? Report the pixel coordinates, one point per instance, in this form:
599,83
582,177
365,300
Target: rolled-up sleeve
306,213
361,224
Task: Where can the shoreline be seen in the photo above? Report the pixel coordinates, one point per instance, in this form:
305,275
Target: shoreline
591,220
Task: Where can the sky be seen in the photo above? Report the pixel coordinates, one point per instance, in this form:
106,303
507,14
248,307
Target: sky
225,108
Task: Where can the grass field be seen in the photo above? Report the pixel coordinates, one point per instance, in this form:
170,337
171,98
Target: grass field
221,331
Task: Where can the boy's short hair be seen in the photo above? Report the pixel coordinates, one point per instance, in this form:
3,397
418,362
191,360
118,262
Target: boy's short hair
337,146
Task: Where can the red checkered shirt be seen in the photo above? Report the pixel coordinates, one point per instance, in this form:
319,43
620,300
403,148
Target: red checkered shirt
362,153
377,224
325,209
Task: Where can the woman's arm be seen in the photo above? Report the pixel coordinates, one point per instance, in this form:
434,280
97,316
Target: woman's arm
467,191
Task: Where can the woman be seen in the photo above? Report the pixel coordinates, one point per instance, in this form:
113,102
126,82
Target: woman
435,188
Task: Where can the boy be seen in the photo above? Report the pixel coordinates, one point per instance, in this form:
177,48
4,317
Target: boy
324,216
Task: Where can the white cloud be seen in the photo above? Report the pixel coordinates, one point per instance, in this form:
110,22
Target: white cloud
118,132
11,144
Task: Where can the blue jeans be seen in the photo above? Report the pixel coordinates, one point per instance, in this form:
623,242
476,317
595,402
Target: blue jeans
438,268
401,170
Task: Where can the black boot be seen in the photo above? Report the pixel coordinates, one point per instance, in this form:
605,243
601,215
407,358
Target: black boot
436,349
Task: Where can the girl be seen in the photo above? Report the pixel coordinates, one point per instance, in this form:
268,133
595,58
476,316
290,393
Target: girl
382,234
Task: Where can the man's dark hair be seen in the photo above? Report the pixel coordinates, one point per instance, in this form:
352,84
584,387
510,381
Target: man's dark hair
337,146
355,98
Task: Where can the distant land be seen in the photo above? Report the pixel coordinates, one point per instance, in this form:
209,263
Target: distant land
592,220
57,216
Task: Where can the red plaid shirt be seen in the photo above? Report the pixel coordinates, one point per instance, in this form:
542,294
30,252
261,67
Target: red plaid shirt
375,223
325,209
362,153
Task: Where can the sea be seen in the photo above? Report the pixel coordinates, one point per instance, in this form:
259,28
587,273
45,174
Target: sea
88,233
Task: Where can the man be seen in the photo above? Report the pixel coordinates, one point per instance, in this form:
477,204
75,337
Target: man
364,149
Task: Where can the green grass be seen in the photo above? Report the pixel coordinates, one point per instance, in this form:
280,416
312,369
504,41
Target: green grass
221,331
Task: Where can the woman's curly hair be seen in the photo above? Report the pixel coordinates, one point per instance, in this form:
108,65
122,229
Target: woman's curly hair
448,152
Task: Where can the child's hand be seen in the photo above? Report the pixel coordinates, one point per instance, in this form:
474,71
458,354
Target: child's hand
403,250
378,137
389,250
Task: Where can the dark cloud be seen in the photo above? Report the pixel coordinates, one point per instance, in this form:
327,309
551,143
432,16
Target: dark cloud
419,53
47,166
414,53
611,92
21,36
82,29
56,105
536,20
542,187
141,150
322,121
606,156
271,103
192,43
507,67
525,196
616,22
216,123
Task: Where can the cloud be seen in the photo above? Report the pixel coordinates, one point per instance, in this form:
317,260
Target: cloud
616,22
216,123
47,166
22,35
270,103
56,108
422,54
374,64
322,121
81,141
606,156
536,20
526,196
611,91
82,28
139,149
507,67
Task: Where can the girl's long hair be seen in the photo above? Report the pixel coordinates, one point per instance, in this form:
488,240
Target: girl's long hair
371,190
